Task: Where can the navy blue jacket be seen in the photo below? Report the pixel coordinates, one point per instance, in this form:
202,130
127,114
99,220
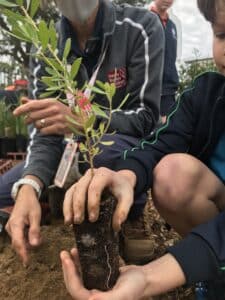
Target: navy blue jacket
194,127
134,43
170,75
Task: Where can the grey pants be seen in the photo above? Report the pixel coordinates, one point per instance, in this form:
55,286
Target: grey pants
107,158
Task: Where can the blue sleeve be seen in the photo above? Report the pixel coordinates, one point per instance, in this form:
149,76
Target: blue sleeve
201,254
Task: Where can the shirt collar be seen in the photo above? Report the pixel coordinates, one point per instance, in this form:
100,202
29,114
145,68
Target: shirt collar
164,18
68,32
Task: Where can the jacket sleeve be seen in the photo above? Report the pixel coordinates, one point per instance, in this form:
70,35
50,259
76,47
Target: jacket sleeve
144,76
43,152
201,254
173,137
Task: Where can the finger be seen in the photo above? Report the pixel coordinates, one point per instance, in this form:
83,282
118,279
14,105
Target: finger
68,206
34,229
79,203
75,256
58,129
25,100
71,278
80,196
33,105
100,180
124,203
35,117
16,230
53,113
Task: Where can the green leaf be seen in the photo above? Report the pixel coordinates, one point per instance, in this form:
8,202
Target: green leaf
97,90
108,143
102,127
98,111
43,34
100,84
53,35
51,71
19,2
55,88
13,16
71,120
75,68
90,123
67,48
54,63
47,94
48,80
112,89
82,147
75,130
19,36
34,7
123,102
7,3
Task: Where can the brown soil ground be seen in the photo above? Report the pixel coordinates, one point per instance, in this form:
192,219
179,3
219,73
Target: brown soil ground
43,278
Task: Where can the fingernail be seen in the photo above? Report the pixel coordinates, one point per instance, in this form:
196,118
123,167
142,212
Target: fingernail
34,241
92,217
77,218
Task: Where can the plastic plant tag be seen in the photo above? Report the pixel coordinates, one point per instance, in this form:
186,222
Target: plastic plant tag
65,163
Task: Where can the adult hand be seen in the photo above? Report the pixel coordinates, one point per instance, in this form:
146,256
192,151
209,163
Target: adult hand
121,184
130,285
24,223
47,115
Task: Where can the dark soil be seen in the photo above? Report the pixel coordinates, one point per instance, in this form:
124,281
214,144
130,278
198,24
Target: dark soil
98,248
43,278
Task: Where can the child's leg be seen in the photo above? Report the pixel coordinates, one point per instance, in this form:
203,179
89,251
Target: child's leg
186,192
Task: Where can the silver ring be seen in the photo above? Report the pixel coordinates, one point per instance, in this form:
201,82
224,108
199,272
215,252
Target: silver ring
42,122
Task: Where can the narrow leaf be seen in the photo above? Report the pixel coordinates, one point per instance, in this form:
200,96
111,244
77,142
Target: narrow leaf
34,7
123,102
43,34
75,67
7,3
109,143
97,90
67,48
98,111
90,122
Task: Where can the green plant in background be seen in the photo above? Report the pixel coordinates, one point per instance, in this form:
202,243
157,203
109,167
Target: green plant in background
9,125
7,121
61,76
190,70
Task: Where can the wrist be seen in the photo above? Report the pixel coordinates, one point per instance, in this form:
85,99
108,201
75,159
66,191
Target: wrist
163,275
27,184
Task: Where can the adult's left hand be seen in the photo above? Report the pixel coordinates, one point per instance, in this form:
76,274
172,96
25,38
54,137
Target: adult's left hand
47,115
130,285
